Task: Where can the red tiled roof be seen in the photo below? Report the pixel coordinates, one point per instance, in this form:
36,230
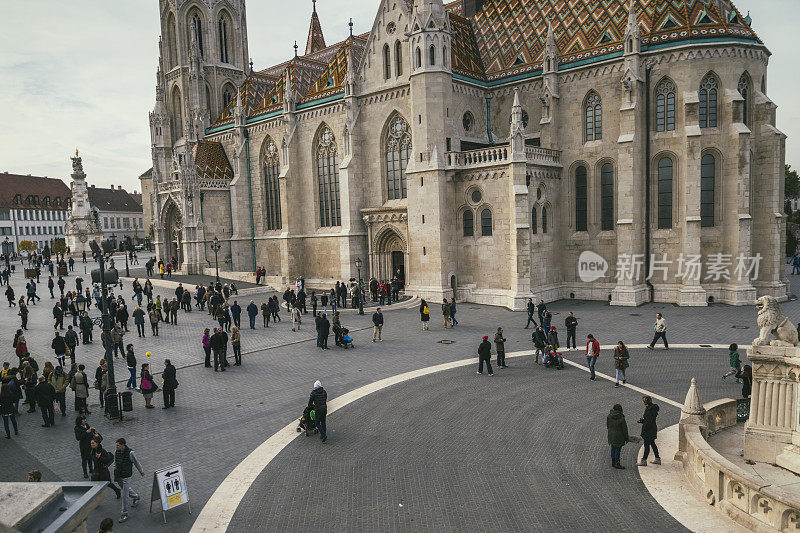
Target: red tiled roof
113,200
33,192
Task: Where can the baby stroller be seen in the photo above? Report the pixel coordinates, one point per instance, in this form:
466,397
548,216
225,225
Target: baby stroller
307,423
342,338
551,358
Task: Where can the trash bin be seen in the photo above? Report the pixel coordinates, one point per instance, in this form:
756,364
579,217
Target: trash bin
126,398
112,405
62,271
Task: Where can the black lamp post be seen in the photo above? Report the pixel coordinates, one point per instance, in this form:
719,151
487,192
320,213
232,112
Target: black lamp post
7,251
127,247
112,276
360,296
80,303
216,246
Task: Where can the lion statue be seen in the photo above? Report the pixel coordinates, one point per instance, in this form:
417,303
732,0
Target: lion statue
771,320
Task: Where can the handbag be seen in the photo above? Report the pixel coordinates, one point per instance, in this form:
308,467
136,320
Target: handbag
96,384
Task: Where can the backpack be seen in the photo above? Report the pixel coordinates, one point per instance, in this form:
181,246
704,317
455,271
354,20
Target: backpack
106,459
425,310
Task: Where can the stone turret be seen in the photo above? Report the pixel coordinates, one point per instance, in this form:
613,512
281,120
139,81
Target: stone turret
82,226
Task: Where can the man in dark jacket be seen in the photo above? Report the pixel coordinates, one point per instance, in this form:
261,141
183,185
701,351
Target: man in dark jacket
539,339
101,460
252,313
649,431
51,286
318,400
71,340
59,347
138,319
324,331
122,316
218,343
45,394
484,356
540,309
377,325
124,461
571,323
58,315
170,384
236,313
61,285
617,434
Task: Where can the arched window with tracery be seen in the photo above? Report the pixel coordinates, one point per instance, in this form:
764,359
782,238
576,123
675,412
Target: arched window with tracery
197,28
228,94
708,166
398,150
432,55
744,90
176,114
172,40
224,27
544,219
387,62
468,223
607,197
708,101
272,191
665,106
593,117
327,158
398,58
664,193
581,199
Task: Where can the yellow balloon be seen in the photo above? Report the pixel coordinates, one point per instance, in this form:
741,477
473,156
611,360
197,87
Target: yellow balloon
148,354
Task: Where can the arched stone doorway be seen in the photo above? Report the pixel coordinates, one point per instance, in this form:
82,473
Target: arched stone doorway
389,256
173,239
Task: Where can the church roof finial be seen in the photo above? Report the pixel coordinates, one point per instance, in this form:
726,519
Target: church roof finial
295,49
351,26
315,41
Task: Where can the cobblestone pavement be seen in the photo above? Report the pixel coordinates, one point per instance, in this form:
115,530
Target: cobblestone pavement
220,418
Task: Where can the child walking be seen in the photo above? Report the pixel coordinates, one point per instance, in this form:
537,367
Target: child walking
736,364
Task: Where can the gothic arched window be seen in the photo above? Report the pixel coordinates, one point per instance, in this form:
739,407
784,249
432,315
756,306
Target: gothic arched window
534,226
172,41
432,55
708,101
419,57
224,27
228,95
398,150
197,28
594,117
486,222
581,199
544,219
398,58
387,62
607,197
665,193
468,223
327,158
272,192
744,90
177,114
665,106
707,175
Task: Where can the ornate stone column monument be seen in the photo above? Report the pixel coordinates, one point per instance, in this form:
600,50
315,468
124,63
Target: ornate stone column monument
81,226
772,433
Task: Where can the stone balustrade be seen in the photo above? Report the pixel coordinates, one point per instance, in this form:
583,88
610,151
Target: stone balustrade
738,493
500,155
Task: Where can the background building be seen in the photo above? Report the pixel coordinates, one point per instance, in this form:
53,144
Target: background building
146,180
33,208
119,215
477,149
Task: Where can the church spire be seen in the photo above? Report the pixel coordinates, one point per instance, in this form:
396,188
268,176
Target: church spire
315,41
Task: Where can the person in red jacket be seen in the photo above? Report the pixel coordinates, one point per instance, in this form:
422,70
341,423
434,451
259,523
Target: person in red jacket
592,353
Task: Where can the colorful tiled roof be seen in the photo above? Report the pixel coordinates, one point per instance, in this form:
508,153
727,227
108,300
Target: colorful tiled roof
510,34
253,88
465,58
315,41
331,81
211,162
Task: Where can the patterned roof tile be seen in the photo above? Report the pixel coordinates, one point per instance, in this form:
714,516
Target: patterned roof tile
211,162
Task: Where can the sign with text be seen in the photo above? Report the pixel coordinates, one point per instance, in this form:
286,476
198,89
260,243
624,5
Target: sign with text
169,487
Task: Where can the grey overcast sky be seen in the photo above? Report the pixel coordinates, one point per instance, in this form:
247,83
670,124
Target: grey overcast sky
82,74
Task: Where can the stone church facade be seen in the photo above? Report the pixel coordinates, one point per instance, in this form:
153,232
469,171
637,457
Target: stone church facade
478,149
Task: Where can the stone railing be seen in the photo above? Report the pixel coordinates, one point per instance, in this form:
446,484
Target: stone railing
484,157
542,156
734,491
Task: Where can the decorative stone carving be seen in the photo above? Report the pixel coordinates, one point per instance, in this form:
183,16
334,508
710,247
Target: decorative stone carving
771,320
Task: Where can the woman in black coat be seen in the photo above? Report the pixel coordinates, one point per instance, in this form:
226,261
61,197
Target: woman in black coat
649,431
84,434
102,459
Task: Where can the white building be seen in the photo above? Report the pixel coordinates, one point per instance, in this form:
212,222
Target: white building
118,213
32,208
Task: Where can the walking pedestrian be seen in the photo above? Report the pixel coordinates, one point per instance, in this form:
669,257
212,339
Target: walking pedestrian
660,328
266,312
252,313
531,308
649,431
571,323
377,325
218,343
124,461
621,357
318,400
83,434
7,410
23,313
617,434
236,344
236,314
59,347
138,319
295,318
746,375
80,385
130,360
539,339
540,309
155,318
592,353
59,381
500,346
452,311
736,364
58,315
147,385
206,342
45,395
71,340
101,460
424,314
446,314
484,356
170,383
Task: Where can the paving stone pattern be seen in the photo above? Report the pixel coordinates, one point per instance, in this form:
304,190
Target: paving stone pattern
220,418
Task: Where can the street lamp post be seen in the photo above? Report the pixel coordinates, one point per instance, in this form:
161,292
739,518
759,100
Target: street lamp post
360,295
106,319
7,251
127,249
216,246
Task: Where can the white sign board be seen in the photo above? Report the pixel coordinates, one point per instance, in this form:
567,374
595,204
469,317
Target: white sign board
171,487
